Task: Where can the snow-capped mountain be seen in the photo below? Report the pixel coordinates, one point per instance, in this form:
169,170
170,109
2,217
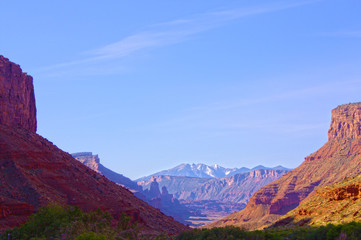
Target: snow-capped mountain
205,171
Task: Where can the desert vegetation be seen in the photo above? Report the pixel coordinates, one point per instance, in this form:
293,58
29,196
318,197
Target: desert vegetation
349,231
71,223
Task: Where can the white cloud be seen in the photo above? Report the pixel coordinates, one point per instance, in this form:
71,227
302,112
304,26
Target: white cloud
166,33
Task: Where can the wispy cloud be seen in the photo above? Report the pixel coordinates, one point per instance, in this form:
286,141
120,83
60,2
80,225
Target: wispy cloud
163,34
178,30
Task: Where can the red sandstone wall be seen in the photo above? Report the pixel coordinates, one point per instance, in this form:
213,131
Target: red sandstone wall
17,101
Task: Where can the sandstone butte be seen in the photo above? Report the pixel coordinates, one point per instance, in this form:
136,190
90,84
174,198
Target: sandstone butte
34,172
338,159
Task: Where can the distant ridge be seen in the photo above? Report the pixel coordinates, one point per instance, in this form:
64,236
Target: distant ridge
237,188
207,171
214,198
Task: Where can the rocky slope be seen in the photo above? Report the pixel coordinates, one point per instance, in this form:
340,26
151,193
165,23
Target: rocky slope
334,204
17,101
340,157
93,162
34,172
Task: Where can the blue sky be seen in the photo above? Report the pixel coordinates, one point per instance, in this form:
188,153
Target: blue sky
148,85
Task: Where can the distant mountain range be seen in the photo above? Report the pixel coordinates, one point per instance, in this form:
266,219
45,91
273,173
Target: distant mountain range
207,171
237,188
212,191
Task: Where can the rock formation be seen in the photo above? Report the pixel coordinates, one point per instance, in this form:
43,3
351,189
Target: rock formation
88,159
34,172
154,190
164,201
17,100
93,162
346,122
340,157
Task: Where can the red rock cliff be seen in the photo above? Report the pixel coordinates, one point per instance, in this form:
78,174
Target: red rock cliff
346,122
34,172
339,158
17,101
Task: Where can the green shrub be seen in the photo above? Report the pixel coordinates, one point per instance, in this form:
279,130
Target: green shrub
349,231
64,222
91,236
46,223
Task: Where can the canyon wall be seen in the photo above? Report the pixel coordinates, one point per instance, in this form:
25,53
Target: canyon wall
17,100
34,172
339,158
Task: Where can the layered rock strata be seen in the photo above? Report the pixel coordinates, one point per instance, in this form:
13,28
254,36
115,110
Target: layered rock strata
334,204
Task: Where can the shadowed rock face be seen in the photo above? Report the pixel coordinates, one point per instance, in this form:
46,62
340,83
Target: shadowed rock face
17,101
154,190
340,157
34,172
166,202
